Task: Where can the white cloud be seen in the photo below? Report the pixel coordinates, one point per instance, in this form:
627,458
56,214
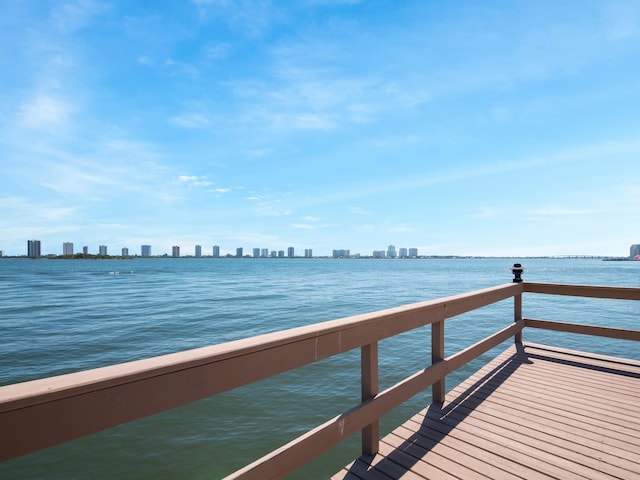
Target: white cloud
487,213
45,110
274,119
253,17
359,211
259,152
267,205
401,229
563,212
73,15
143,60
181,68
191,120
194,181
217,51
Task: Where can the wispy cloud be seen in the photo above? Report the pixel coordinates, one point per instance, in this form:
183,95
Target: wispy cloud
288,121
176,67
252,17
44,110
555,211
144,60
401,229
194,181
73,15
191,120
269,205
217,51
359,211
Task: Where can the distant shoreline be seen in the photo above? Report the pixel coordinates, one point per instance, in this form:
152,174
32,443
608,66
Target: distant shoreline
354,257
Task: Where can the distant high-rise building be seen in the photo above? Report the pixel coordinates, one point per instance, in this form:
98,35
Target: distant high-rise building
342,253
239,252
264,252
125,252
391,251
256,252
102,249
67,248
280,253
413,252
274,253
634,250
145,250
85,250
33,248
198,250
308,253
175,251
402,253
1,253
378,254
216,251
291,252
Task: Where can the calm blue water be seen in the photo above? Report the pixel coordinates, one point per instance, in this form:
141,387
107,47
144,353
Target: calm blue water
59,316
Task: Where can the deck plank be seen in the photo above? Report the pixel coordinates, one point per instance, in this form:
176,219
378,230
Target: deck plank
534,412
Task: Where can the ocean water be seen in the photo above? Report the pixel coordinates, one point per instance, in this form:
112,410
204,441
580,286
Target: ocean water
61,316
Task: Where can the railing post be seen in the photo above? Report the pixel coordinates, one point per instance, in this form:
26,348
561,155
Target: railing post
517,300
369,383
437,354
517,315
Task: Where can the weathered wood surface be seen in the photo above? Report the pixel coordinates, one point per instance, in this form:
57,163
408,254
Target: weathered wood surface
536,412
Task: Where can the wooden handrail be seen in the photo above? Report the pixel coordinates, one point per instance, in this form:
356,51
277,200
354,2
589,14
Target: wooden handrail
620,293
42,413
46,412
589,291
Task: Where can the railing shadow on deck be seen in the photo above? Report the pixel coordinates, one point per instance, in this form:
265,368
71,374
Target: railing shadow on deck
426,437
579,364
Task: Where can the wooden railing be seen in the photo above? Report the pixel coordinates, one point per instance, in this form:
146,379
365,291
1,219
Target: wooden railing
620,293
41,413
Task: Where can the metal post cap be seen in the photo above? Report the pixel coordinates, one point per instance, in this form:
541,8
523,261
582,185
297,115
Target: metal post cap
517,270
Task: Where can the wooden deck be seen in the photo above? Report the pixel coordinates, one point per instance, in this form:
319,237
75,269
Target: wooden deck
535,412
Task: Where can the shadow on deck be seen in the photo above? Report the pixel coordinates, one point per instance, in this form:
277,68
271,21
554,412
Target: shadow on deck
534,412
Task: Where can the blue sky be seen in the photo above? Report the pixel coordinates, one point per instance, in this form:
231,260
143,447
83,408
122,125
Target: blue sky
465,128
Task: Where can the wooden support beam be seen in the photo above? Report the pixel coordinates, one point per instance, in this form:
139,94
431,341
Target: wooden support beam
369,379
620,333
437,354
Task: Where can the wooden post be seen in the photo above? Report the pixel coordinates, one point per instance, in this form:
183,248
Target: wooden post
517,315
369,382
437,354
517,299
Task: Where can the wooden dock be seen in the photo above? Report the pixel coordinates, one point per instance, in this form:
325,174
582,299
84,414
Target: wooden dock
535,412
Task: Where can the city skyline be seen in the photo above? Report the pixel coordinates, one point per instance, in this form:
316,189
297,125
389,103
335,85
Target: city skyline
34,249
464,128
